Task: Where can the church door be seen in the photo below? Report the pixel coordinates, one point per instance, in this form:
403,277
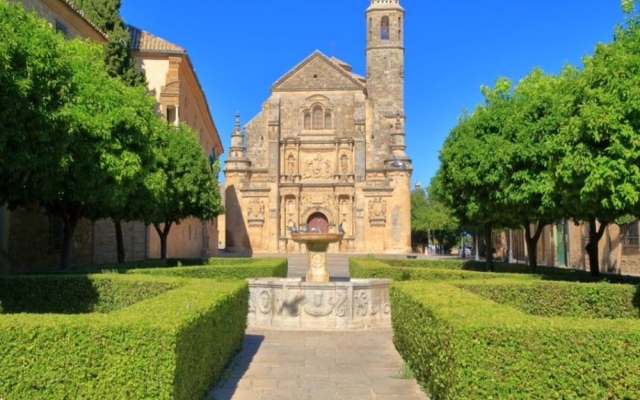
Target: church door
317,222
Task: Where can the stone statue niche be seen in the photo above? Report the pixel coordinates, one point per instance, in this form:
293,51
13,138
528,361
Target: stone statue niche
344,164
291,165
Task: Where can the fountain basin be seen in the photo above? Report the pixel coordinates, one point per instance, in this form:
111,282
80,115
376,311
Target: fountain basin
291,303
317,244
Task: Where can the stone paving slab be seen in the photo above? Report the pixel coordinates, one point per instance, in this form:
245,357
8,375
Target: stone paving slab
316,365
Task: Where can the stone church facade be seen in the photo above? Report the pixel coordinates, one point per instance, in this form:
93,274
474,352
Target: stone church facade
327,153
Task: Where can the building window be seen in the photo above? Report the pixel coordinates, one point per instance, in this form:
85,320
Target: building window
171,115
384,28
630,234
307,120
56,234
317,118
62,28
317,122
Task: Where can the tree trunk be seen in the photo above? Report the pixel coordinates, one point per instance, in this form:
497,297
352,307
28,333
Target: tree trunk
489,246
592,247
70,217
119,241
163,233
532,243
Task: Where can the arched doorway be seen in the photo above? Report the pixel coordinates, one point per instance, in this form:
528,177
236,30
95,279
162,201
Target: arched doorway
317,222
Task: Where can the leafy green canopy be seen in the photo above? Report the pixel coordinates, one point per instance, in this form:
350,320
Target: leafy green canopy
180,184
118,60
599,171
183,183
36,84
475,162
111,127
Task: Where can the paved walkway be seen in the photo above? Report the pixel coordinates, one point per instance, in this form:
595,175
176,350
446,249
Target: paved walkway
285,365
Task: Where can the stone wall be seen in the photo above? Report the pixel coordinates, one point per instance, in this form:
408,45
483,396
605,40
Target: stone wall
30,242
134,236
190,239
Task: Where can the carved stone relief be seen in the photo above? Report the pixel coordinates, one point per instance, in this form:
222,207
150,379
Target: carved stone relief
377,212
318,167
320,303
255,213
378,207
256,208
289,304
327,201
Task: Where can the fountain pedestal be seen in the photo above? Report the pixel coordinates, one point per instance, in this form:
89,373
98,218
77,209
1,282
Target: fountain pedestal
317,244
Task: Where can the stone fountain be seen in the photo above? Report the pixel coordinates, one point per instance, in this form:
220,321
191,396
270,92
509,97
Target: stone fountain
317,244
318,303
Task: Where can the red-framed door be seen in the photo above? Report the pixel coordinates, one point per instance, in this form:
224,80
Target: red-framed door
317,222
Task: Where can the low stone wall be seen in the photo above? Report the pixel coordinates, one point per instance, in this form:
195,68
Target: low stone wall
339,305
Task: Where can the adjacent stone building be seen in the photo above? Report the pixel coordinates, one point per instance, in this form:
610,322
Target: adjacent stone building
30,240
327,152
564,243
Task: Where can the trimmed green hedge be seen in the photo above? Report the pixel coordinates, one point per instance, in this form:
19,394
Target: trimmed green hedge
462,346
223,268
481,266
171,346
439,269
563,299
273,267
378,268
73,295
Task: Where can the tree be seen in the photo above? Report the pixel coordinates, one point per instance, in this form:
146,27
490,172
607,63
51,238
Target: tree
110,126
182,183
36,84
419,224
530,127
119,63
431,219
599,169
117,55
474,163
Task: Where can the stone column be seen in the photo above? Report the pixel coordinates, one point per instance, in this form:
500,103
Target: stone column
317,258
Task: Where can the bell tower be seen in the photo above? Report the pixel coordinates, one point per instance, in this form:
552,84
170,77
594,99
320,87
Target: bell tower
385,56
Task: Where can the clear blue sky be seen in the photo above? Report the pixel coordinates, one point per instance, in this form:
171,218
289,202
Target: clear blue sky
241,47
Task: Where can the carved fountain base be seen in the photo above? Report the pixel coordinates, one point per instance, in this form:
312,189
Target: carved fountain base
290,303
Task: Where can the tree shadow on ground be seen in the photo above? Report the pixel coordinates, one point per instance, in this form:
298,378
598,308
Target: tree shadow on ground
228,384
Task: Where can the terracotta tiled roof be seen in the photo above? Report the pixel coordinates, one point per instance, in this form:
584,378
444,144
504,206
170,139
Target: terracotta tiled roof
145,42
